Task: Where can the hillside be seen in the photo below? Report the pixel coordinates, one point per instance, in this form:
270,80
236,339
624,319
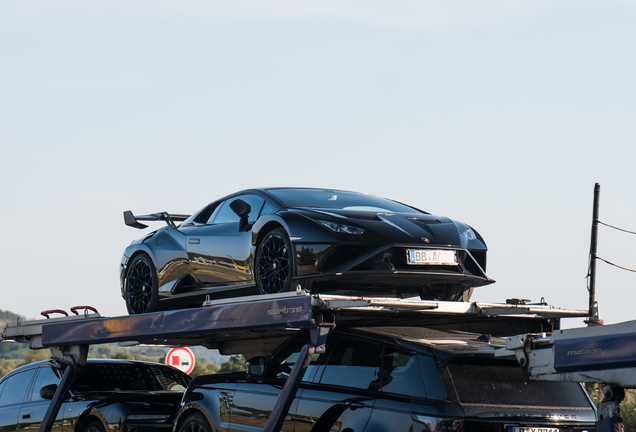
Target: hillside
7,317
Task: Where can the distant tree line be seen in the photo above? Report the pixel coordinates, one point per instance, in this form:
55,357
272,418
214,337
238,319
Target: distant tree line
13,355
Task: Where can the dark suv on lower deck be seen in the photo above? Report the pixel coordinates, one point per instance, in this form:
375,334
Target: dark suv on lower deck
390,379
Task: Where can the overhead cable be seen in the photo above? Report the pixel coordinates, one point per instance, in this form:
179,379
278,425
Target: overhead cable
615,265
617,228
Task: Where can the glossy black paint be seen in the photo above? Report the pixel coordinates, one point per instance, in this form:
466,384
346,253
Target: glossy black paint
369,380
212,253
111,409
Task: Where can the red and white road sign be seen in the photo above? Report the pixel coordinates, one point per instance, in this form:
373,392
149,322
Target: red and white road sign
181,358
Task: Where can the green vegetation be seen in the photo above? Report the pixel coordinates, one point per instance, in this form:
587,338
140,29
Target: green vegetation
236,363
208,361
628,406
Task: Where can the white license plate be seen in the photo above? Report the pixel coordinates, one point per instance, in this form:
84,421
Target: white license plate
431,256
531,429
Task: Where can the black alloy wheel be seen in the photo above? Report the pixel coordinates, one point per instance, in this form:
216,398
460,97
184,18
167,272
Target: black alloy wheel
195,423
458,294
274,263
95,426
141,286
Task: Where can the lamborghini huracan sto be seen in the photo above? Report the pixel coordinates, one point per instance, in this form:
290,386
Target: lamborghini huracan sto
325,241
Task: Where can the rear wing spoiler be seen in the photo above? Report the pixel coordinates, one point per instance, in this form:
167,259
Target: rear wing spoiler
133,221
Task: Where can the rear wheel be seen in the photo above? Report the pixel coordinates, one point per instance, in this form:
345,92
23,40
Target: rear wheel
95,426
142,293
274,263
458,293
444,292
195,423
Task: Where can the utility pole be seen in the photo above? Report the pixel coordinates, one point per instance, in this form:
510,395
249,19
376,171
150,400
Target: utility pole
594,316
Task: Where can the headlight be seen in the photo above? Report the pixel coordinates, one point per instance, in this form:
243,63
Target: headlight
347,229
147,418
469,234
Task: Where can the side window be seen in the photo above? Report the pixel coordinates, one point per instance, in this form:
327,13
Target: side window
45,377
285,359
16,387
227,215
430,376
353,363
204,216
401,373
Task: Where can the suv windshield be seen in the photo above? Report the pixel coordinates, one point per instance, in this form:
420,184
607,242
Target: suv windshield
338,200
508,385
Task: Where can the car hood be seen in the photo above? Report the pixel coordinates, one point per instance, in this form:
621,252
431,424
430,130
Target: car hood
400,227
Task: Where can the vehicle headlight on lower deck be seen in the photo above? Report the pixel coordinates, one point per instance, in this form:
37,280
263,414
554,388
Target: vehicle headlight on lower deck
147,418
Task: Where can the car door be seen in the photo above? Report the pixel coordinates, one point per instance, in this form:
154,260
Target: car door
343,391
254,399
14,391
220,254
34,408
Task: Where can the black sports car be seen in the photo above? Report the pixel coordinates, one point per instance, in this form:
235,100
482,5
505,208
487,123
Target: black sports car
271,240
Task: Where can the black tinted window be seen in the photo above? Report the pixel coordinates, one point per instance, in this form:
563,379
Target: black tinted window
430,377
401,373
46,376
285,359
227,215
353,363
16,387
508,385
335,199
128,376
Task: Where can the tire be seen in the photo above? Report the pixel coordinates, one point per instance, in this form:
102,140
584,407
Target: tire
195,423
142,293
94,426
274,263
458,294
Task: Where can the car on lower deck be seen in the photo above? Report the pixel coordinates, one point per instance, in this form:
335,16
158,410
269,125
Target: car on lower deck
106,396
389,379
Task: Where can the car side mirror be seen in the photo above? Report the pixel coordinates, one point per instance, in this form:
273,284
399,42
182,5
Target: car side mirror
242,210
48,391
255,366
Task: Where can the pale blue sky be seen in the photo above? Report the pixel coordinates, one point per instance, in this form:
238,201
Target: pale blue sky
500,114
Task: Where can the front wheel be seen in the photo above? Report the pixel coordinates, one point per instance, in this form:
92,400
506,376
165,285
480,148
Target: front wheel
274,263
195,423
142,294
458,294
95,426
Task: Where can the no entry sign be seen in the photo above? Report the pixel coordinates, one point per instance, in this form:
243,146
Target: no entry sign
181,358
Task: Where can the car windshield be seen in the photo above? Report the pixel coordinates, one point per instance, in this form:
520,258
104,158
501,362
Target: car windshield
130,376
338,200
